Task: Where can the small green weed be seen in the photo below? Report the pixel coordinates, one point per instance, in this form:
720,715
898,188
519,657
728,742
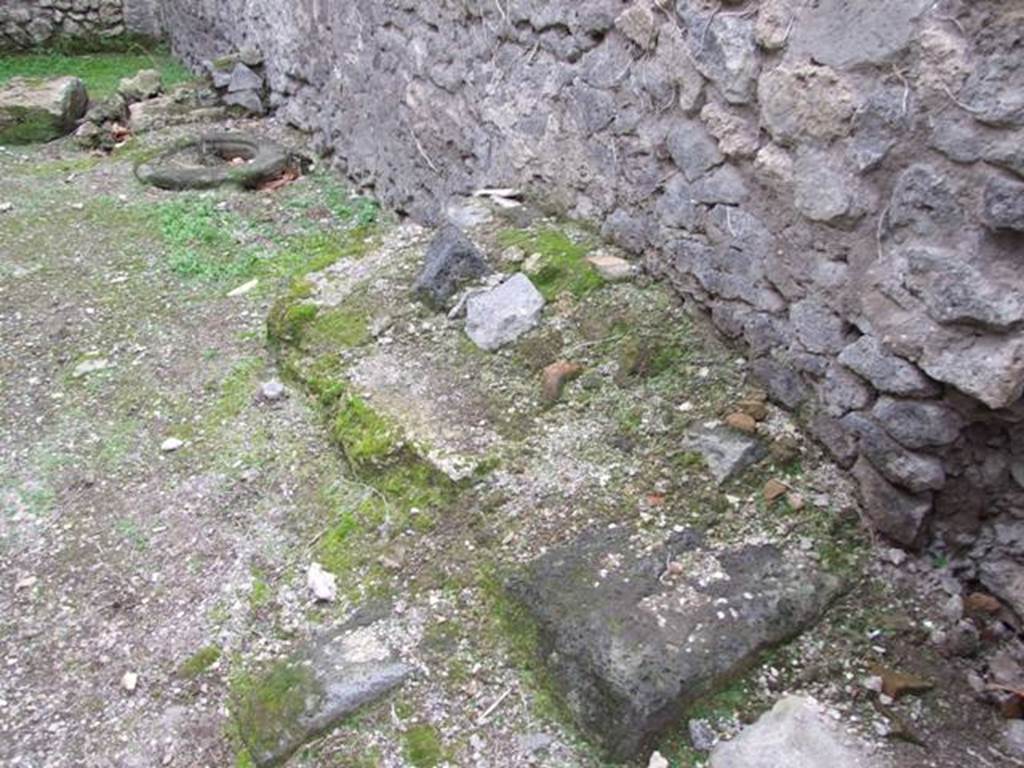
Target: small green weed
422,746
199,662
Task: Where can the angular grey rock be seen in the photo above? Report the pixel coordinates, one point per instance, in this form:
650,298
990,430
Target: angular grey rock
631,645
722,185
112,109
726,54
989,367
842,391
796,733
818,328
244,79
321,684
784,385
693,149
917,424
994,91
897,514
500,316
451,261
955,291
914,471
250,101
625,230
676,207
886,372
877,126
842,34
839,442
145,84
1013,737
1004,204
774,24
40,110
825,191
1005,579
803,102
924,202
726,452
639,24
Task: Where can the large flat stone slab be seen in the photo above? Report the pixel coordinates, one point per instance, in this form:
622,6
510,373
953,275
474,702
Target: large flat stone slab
633,635
796,733
440,410
309,693
34,110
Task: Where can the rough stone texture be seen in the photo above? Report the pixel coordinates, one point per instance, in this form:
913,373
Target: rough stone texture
329,679
33,111
501,315
796,733
31,23
874,197
897,514
631,645
725,451
451,261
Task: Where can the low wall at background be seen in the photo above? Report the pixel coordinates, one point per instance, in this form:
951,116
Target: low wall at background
32,23
841,185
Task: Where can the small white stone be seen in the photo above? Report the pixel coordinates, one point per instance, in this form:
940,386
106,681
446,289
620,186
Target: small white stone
6,207
92,365
322,584
243,289
657,761
130,681
171,444
272,391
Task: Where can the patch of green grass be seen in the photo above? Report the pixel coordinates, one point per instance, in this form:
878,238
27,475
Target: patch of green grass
202,240
101,72
421,746
562,268
199,662
236,390
260,593
510,625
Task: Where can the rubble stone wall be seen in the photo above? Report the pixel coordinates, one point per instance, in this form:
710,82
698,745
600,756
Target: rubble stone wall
32,23
841,185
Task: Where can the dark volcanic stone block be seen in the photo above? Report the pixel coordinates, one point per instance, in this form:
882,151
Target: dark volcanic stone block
632,636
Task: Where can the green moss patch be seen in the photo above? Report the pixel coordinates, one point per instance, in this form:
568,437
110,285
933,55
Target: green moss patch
29,126
562,265
266,706
200,661
421,746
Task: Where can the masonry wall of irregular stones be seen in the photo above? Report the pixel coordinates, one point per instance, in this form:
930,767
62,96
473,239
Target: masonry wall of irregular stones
841,185
32,23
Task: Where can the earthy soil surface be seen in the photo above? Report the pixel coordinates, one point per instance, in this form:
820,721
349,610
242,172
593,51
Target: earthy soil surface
188,567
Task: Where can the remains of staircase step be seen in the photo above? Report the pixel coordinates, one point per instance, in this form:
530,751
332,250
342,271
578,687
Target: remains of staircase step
309,693
448,419
796,733
633,635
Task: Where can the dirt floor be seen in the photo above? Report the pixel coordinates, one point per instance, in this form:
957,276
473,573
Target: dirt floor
187,567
